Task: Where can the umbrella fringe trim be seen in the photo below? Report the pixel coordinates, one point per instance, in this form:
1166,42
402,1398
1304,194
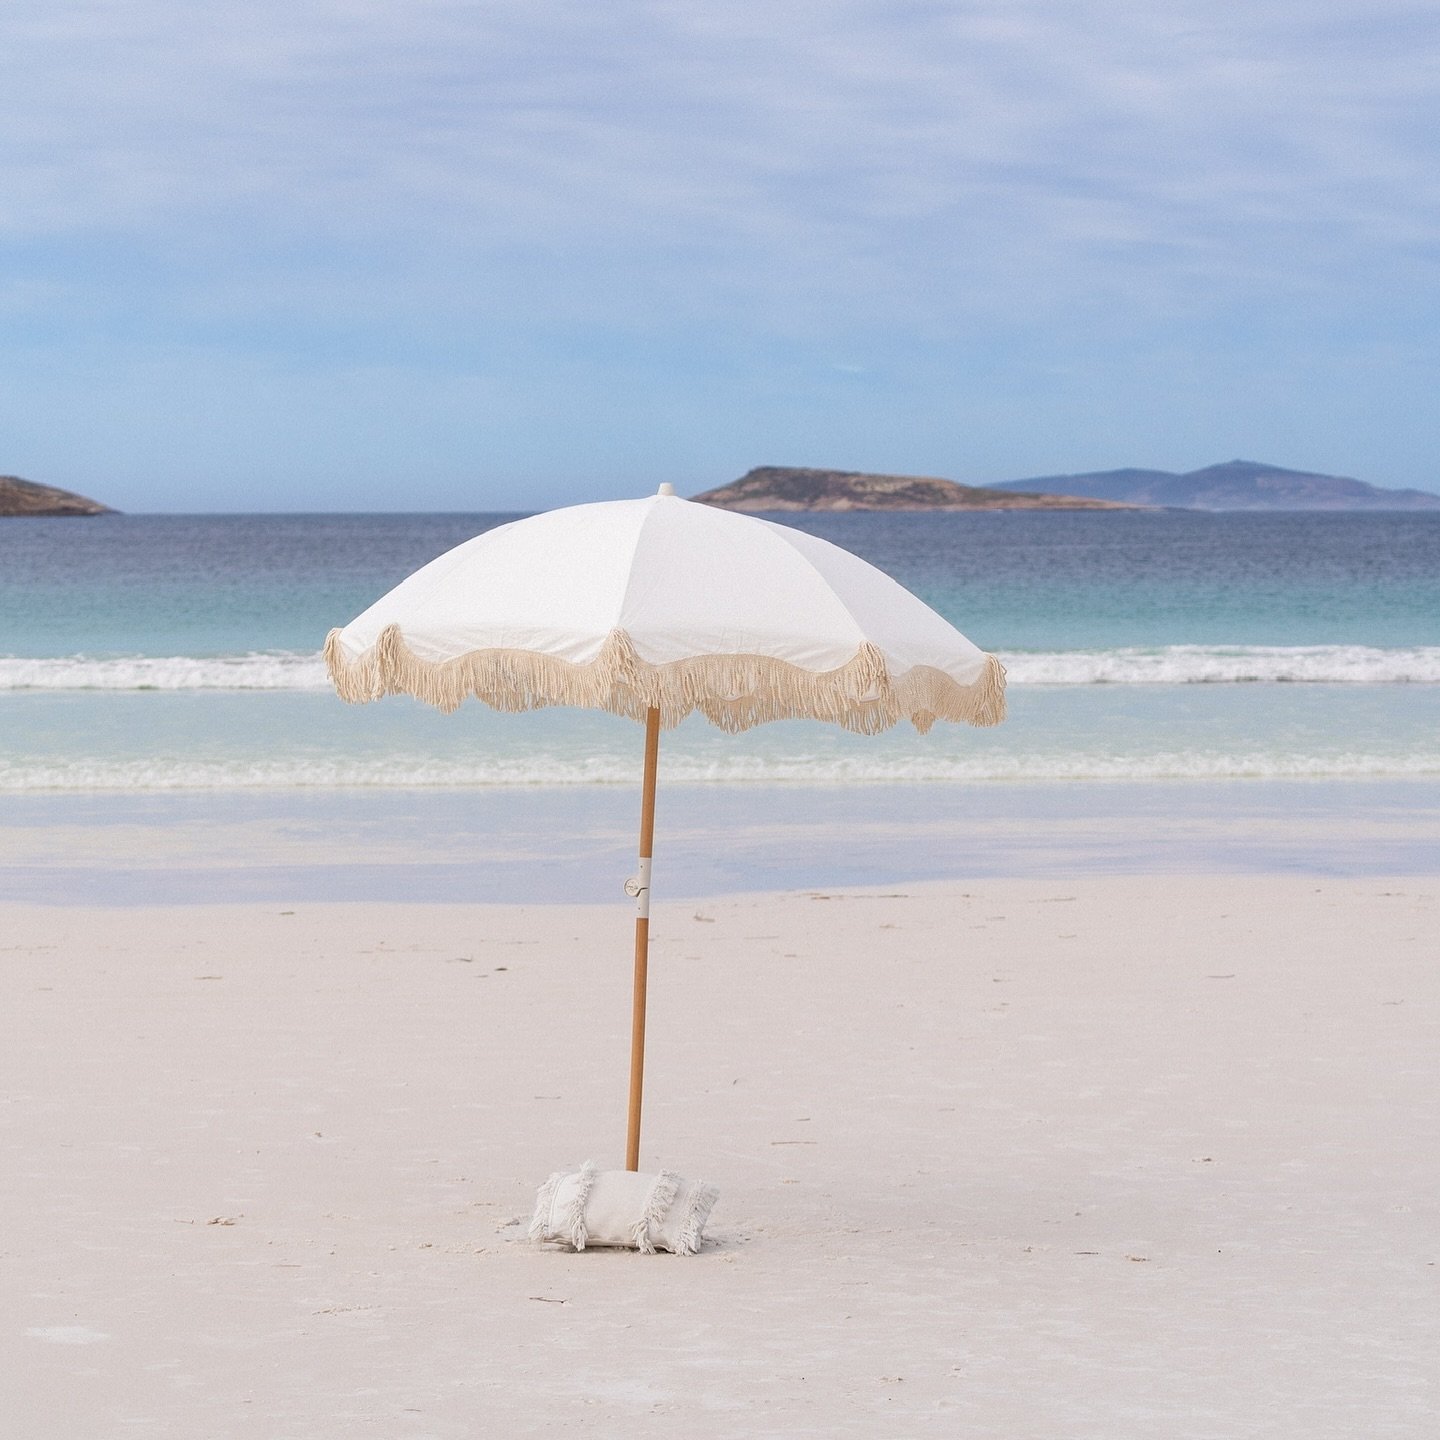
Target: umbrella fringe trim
735,692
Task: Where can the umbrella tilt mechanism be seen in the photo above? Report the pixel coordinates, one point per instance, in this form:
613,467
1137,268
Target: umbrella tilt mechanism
637,887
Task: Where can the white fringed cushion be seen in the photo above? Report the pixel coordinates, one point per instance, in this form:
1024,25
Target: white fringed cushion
620,1207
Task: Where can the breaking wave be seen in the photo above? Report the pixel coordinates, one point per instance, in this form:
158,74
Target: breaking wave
274,671
1229,665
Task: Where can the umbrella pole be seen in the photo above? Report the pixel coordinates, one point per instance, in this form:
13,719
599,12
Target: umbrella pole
640,888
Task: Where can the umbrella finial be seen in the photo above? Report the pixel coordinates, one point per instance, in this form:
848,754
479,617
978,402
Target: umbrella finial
666,488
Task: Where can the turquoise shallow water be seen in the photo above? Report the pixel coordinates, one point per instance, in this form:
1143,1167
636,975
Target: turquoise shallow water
158,653
168,740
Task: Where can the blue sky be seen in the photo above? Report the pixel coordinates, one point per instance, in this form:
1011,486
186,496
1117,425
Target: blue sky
454,255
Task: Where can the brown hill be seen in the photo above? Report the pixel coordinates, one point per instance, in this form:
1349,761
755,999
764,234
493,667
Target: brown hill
25,497
780,487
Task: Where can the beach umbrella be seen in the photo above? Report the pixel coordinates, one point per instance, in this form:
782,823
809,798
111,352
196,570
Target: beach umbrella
652,609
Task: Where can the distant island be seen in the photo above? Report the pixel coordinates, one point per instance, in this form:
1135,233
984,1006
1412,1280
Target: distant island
25,497
1235,485
780,487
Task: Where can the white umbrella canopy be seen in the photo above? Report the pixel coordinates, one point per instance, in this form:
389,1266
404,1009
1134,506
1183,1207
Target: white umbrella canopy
653,609
633,605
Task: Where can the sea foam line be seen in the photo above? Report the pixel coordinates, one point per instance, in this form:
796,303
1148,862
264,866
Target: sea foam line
274,670
1162,665
1228,665
94,773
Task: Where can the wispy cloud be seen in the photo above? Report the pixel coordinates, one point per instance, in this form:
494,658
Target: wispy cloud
763,126
842,172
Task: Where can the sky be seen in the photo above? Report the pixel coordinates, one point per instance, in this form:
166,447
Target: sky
509,254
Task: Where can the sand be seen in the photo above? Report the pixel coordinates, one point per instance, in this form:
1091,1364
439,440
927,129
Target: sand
1105,1157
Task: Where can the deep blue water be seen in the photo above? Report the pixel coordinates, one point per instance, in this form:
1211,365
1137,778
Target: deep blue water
1014,581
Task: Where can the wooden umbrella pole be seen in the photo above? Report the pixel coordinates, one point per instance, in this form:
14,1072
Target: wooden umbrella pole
640,888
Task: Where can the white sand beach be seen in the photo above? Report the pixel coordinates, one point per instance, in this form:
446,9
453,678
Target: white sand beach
1102,1157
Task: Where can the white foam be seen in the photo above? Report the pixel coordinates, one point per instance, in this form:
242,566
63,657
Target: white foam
1228,665
279,670
1162,665
399,773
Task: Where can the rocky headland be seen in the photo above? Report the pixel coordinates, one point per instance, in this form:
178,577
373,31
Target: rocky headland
780,487
25,497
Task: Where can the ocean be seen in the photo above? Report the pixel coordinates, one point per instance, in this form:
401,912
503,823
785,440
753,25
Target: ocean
1188,693
180,653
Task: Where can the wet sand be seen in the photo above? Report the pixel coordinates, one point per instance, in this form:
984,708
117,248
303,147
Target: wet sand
577,844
